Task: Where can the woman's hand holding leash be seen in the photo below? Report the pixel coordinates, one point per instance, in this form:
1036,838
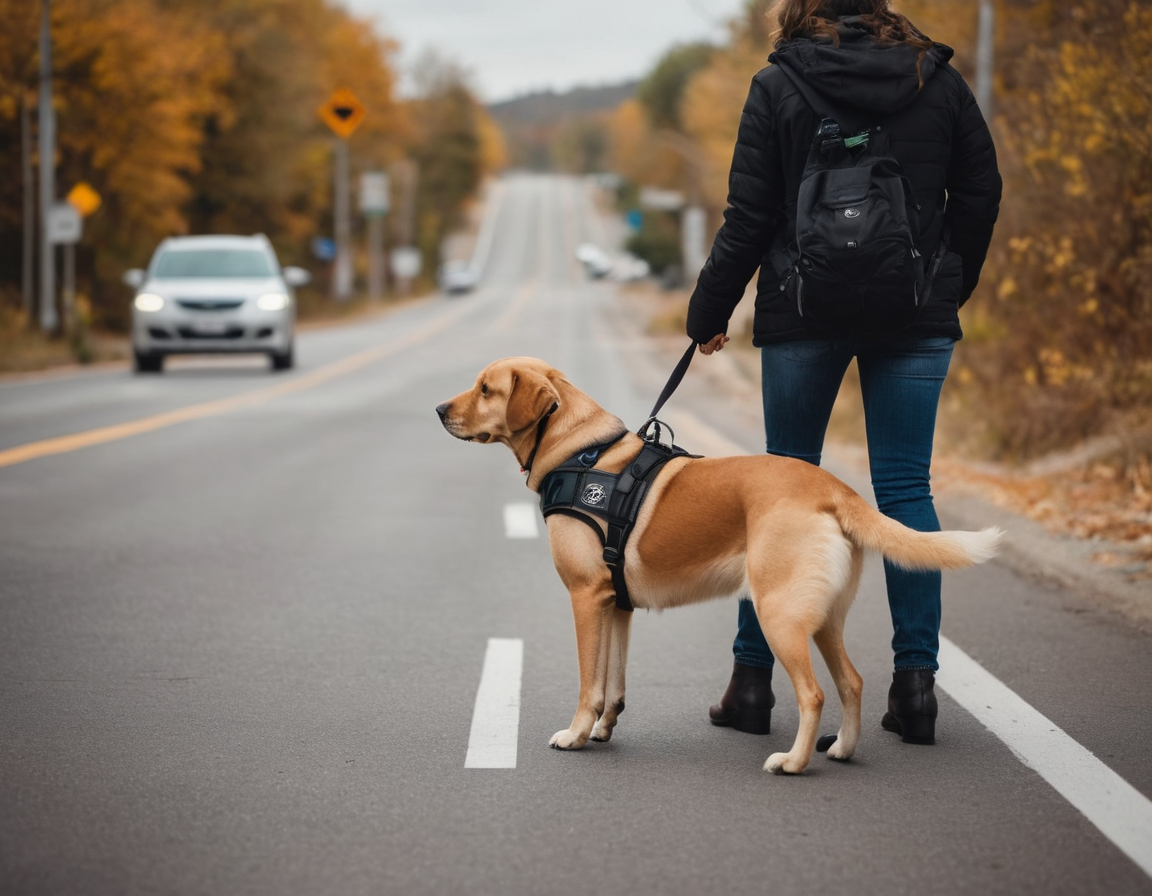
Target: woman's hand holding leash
714,344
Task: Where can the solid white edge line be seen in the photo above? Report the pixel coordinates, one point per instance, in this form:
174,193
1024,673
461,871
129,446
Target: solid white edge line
520,521
1120,812
496,716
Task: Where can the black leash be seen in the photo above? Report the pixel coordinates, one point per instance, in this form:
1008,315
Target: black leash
674,380
669,387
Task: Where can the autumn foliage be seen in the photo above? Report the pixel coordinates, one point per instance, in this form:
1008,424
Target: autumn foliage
201,118
1064,322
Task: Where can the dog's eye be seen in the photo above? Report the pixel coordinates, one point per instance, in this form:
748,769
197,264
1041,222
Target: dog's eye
483,388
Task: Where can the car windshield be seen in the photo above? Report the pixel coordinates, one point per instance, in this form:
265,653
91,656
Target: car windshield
213,263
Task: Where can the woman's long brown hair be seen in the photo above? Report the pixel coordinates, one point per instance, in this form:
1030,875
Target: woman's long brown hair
816,18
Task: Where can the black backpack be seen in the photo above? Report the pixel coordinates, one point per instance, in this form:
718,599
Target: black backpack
853,266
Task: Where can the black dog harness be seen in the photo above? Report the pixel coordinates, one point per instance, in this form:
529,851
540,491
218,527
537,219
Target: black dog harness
577,489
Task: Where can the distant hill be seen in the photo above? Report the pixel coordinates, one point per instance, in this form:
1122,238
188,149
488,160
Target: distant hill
548,107
559,131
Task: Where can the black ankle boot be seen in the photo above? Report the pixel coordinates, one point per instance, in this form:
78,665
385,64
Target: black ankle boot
912,706
747,704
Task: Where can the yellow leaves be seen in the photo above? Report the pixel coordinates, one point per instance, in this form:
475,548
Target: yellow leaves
1076,183
493,149
1020,245
1007,289
640,153
1062,255
1059,370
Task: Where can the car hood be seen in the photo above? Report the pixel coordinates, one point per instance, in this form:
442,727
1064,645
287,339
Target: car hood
214,288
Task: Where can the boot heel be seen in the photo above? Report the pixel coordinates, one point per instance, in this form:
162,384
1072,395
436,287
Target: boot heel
917,729
752,721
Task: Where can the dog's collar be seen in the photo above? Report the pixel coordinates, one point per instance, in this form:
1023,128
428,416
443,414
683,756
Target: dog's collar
526,468
585,457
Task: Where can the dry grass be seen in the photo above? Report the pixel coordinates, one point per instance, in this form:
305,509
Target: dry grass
24,348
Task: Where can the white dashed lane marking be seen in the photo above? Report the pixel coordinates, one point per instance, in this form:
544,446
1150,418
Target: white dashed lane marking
496,716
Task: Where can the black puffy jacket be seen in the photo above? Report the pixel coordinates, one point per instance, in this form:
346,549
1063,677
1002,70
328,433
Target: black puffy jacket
936,132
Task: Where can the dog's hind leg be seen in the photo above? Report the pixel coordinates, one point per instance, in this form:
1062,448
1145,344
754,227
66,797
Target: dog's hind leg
788,638
620,633
849,685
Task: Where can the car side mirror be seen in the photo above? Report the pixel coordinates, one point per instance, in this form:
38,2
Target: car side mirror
294,276
134,278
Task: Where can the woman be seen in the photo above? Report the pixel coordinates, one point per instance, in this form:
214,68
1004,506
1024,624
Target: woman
861,57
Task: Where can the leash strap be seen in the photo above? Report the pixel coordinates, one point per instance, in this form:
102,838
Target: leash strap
674,380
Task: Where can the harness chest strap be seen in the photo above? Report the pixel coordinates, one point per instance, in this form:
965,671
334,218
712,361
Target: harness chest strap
576,489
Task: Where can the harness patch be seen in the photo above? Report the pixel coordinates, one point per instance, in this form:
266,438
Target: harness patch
594,495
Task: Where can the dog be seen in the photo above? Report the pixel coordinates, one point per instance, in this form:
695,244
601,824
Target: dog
787,533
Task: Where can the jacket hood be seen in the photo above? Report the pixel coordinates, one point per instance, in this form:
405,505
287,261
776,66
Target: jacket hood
860,72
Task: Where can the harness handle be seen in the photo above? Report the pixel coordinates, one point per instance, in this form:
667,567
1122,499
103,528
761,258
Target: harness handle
653,432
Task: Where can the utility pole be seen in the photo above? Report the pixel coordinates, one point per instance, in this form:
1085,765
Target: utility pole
406,260
48,318
342,112
342,225
374,205
28,259
985,49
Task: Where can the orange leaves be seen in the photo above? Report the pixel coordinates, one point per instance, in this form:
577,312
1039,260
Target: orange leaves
134,84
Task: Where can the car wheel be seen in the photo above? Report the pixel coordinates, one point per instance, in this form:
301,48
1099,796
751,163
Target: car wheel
147,362
283,360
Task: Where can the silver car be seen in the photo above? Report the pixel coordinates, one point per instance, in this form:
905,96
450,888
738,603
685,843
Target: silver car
213,294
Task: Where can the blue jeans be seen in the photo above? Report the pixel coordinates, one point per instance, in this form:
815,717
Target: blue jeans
900,383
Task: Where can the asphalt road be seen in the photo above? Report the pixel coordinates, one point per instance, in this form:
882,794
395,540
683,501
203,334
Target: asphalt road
243,619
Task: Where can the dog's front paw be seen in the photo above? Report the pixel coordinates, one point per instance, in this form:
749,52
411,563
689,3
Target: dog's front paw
839,751
784,764
567,740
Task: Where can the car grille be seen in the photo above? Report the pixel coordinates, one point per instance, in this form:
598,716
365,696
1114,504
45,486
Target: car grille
209,304
193,333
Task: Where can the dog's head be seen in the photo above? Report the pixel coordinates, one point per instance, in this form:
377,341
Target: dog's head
508,400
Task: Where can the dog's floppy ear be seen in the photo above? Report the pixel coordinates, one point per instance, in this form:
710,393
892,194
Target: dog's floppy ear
532,397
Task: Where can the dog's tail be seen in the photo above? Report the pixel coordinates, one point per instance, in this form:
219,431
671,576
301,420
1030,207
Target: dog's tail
869,528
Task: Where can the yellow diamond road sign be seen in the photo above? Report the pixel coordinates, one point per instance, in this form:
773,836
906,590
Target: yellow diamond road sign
342,112
84,199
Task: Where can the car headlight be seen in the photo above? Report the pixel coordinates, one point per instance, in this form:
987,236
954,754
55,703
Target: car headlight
272,301
149,301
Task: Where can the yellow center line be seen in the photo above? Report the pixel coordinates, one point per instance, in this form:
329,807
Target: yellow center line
64,444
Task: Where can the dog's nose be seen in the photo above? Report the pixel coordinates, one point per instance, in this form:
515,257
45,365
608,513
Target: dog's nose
442,409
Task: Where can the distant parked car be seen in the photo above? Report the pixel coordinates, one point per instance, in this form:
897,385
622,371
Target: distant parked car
458,277
596,261
628,268
207,294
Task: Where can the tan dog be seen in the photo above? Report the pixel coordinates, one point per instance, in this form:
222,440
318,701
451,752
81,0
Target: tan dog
789,534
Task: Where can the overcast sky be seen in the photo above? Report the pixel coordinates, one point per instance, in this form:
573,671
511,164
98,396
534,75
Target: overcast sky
517,46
